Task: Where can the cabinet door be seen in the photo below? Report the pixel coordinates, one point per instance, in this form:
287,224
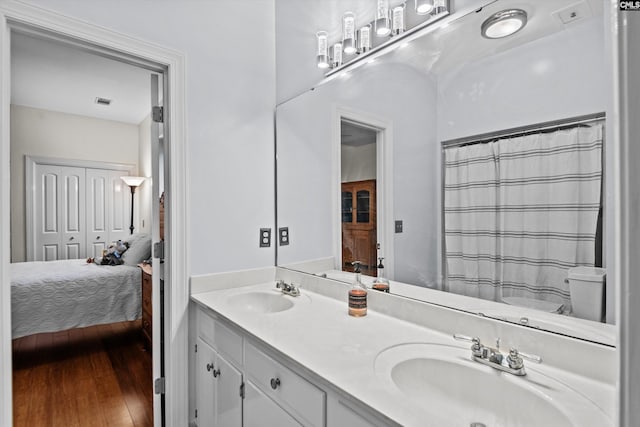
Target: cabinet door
205,385
260,411
228,402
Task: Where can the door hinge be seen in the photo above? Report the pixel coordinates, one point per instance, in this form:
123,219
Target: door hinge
158,249
196,347
196,413
242,391
159,385
158,114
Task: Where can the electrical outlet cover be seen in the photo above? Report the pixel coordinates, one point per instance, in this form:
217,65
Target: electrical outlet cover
265,237
283,233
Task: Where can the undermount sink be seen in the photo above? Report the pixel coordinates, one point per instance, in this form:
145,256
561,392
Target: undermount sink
461,392
261,302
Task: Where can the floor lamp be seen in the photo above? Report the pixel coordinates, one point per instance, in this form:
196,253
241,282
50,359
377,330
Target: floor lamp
132,182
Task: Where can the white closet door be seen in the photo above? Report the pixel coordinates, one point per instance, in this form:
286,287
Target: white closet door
59,213
107,209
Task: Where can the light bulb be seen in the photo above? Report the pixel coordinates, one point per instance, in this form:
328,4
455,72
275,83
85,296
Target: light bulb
364,39
397,20
322,55
382,23
349,33
423,7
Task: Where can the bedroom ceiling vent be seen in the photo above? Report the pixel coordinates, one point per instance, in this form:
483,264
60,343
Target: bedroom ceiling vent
103,101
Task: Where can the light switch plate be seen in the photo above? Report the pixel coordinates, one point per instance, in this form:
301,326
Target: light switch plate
265,237
399,226
283,235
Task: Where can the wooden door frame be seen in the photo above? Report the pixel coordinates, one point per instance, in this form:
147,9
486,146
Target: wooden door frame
29,182
15,16
384,181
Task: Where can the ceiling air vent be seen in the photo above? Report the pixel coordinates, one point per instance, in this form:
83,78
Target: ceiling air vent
103,101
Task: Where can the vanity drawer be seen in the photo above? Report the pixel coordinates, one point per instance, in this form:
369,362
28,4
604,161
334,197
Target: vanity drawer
220,337
295,394
228,343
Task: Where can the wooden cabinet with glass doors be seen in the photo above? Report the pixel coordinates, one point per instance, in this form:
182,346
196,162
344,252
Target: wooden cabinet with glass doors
359,233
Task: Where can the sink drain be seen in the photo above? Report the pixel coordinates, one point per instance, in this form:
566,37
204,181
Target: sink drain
477,425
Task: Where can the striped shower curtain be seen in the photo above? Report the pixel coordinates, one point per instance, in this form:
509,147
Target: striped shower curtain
519,212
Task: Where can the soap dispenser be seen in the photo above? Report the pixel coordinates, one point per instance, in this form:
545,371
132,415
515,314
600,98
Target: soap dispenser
357,294
380,283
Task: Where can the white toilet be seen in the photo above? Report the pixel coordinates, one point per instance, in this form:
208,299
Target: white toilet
586,286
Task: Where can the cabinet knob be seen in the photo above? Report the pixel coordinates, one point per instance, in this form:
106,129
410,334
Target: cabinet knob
209,367
98,238
216,373
71,238
275,383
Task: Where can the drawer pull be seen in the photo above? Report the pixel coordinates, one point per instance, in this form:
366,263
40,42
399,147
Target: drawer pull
275,383
209,367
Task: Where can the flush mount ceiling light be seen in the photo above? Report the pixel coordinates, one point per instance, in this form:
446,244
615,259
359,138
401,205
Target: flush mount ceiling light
504,23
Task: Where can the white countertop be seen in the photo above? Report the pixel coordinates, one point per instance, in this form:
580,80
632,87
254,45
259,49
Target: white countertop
321,337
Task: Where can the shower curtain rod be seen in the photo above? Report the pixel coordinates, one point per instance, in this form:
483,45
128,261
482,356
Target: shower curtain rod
523,130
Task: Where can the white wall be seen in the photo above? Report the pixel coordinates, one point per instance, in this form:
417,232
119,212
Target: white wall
305,198
521,85
358,163
230,82
45,133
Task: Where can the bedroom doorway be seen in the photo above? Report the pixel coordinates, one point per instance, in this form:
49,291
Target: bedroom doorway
75,63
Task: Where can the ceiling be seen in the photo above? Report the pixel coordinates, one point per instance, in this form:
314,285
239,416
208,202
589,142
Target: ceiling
353,135
49,75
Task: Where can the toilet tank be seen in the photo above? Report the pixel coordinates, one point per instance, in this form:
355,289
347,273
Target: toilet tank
586,285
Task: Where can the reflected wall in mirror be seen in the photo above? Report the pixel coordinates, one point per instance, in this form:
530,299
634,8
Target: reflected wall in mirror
449,83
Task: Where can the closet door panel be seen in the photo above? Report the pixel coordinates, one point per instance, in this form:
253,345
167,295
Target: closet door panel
97,234
72,213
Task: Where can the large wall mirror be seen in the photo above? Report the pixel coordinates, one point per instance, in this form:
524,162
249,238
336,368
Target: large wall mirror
475,167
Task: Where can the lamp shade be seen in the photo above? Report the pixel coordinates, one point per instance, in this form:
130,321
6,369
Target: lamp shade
133,181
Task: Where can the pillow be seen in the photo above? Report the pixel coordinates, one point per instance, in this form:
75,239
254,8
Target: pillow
139,249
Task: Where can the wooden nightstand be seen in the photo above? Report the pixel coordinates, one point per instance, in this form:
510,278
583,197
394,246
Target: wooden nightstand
147,312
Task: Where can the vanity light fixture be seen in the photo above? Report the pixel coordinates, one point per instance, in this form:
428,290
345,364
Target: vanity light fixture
423,7
382,24
397,20
323,49
349,33
389,24
504,23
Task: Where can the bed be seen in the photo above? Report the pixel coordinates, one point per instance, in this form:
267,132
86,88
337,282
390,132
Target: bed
50,296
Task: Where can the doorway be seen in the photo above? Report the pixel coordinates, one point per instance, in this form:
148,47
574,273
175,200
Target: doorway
364,191
358,173
75,119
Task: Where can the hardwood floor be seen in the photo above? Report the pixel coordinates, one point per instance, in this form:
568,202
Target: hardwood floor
96,376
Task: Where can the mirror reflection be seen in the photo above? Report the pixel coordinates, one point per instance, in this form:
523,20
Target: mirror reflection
465,164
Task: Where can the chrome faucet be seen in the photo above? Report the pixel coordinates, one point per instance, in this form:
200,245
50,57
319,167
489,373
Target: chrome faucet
513,363
288,289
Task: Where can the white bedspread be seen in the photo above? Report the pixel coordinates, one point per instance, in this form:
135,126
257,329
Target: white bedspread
59,295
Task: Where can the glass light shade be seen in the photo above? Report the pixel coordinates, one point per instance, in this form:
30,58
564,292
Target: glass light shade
133,181
349,33
382,23
423,7
397,20
439,6
322,54
504,23
336,57
364,39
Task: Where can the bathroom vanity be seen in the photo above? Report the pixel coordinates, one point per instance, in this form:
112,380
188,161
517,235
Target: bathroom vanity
260,357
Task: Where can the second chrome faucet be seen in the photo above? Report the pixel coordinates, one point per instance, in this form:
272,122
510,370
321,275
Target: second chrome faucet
512,363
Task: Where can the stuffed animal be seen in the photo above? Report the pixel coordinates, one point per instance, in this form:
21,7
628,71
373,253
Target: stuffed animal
112,255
